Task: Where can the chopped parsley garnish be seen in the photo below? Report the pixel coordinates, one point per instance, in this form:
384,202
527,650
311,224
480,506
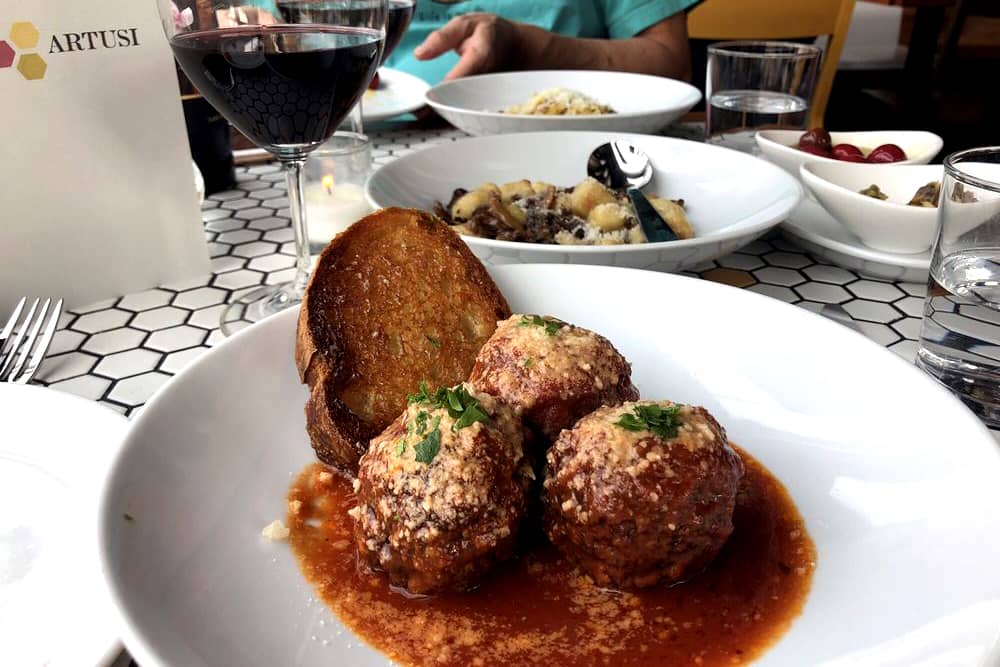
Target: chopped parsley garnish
421,422
657,419
433,341
454,402
422,396
400,446
429,447
460,404
418,426
551,326
470,415
528,362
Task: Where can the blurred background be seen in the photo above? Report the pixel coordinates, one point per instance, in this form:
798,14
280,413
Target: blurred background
921,64
905,64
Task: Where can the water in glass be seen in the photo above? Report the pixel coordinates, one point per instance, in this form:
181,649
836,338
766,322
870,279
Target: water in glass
736,115
960,337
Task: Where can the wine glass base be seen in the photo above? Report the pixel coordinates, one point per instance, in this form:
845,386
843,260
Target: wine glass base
257,305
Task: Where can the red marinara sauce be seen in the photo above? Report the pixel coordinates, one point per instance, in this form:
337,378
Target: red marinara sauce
539,609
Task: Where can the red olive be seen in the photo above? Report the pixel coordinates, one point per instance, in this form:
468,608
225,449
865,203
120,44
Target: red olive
848,153
815,150
887,153
816,137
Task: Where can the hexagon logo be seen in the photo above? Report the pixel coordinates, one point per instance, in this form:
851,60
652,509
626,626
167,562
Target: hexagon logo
6,55
31,66
24,34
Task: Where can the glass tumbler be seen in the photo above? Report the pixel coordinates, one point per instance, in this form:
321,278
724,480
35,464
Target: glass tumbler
960,334
752,86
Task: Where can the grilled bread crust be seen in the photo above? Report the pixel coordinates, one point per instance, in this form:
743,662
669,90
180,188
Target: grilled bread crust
396,299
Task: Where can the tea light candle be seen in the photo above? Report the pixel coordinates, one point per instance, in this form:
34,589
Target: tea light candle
333,207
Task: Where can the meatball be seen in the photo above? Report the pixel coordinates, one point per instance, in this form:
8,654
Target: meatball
552,371
642,493
442,491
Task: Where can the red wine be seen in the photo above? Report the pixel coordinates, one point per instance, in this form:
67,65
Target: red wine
356,13
396,23
282,86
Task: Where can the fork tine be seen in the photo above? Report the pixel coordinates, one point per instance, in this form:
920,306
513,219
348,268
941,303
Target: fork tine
8,328
43,345
29,341
12,349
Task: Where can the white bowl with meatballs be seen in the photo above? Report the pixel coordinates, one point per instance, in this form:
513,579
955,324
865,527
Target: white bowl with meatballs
641,492
525,198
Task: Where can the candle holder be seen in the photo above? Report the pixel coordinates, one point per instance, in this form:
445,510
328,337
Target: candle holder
335,176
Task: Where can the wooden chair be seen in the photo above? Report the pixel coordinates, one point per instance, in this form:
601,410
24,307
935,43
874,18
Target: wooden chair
780,19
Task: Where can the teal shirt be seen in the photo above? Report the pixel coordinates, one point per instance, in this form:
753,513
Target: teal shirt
615,19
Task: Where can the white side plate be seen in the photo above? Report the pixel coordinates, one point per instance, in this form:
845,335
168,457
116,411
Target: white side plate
55,452
810,226
398,93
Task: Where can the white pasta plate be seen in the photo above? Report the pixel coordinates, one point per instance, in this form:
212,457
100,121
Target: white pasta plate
895,479
642,103
730,198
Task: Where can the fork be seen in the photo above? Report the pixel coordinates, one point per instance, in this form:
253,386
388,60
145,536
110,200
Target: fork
17,362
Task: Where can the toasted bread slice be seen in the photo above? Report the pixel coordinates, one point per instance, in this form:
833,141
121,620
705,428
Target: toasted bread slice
396,299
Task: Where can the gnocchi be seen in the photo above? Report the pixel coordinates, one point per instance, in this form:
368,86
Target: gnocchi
588,194
470,202
539,212
609,216
516,190
672,214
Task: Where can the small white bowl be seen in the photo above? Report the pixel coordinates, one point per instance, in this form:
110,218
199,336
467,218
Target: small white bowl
781,146
643,104
890,225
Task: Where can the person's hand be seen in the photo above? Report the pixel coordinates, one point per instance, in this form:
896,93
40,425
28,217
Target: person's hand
485,42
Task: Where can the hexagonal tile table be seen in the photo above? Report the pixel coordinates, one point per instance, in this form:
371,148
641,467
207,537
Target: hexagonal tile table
120,351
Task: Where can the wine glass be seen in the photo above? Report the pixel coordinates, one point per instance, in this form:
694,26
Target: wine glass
285,74
396,22
400,14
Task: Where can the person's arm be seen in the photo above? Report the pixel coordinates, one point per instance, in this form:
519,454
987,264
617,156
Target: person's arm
488,43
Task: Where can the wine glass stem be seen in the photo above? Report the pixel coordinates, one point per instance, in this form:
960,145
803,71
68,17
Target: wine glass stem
296,203
356,119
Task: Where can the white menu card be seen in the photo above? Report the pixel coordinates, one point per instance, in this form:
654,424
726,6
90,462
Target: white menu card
97,195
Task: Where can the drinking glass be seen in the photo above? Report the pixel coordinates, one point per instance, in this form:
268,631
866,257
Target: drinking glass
286,75
960,335
752,86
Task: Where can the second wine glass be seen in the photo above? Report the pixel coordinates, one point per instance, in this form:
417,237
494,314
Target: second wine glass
397,20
